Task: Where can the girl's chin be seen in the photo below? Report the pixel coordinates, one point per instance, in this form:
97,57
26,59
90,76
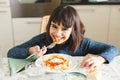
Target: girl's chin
57,42
60,42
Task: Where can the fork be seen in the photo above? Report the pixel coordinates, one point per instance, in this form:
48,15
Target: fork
49,47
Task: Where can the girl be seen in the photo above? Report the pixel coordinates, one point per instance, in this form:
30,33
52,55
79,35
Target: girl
65,26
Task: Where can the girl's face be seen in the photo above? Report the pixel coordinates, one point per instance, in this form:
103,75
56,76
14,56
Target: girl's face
59,33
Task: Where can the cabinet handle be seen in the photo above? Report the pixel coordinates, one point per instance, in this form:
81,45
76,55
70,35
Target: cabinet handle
32,22
91,10
3,11
2,3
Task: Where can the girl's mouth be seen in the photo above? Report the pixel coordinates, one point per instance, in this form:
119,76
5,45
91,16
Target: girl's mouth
56,40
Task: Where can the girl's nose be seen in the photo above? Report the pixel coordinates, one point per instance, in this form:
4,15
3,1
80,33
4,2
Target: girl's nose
59,32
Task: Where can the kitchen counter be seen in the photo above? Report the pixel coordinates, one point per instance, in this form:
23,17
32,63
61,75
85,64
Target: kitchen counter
28,10
92,3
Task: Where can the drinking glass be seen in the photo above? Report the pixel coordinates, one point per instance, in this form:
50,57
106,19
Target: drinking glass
33,71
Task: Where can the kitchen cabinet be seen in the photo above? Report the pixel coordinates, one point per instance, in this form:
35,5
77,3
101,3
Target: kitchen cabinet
25,28
5,3
102,22
95,19
114,26
6,37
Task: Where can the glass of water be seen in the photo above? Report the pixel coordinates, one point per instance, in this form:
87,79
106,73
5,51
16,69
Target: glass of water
32,70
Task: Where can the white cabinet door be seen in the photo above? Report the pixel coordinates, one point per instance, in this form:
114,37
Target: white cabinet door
25,29
6,39
95,19
114,31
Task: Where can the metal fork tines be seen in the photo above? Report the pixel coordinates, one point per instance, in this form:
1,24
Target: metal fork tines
49,47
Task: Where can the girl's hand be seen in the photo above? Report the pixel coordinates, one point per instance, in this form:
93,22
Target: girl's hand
42,51
91,61
36,49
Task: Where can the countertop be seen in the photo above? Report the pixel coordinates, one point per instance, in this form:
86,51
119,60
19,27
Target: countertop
93,3
19,10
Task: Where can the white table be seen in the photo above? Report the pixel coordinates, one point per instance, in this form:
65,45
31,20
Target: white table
108,71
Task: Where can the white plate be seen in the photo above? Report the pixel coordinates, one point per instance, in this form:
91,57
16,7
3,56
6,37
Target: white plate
40,61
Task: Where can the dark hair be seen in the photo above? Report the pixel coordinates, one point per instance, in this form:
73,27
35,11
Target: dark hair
69,18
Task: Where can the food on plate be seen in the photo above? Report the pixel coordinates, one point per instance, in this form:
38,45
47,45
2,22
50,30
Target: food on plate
94,74
57,62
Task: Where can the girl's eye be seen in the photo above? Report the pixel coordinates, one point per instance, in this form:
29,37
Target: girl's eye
53,25
65,29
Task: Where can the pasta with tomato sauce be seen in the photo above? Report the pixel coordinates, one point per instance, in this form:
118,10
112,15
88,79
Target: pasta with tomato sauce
57,62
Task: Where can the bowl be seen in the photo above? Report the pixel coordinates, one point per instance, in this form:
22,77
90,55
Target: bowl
75,76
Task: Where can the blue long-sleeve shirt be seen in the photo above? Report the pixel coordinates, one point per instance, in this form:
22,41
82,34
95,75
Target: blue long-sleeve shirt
87,46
